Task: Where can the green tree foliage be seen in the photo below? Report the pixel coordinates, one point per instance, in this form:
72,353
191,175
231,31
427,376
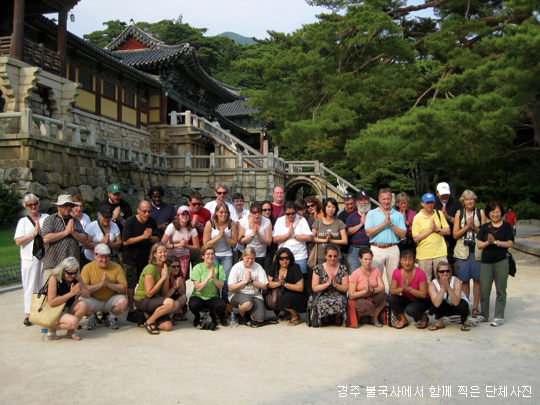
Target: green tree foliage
387,98
9,205
106,36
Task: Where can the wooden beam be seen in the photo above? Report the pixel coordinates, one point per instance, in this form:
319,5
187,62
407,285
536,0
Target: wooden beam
17,39
62,40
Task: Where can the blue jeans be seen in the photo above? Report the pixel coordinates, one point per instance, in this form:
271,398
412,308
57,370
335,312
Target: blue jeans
303,265
352,259
227,263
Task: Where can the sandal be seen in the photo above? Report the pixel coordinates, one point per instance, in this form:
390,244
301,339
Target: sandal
403,325
465,327
294,322
152,328
420,321
177,316
74,336
52,336
475,313
436,327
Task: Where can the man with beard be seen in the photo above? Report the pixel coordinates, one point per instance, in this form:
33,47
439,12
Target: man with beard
385,228
163,212
448,206
356,231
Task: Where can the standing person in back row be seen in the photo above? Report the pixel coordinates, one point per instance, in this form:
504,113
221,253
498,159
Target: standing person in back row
385,227
121,208
343,215
140,233
448,206
428,230
278,206
199,216
221,191
163,212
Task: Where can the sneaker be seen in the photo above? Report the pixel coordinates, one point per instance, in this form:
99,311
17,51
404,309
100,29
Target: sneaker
480,319
241,319
92,323
131,317
197,321
111,323
497,322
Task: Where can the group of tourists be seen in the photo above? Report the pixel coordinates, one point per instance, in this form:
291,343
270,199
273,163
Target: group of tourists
284,256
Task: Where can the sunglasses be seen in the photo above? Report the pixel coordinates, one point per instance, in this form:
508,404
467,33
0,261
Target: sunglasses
256,212
284,258
184,213
267,209
175,267
290,213
444,271
196,204
221,192
70,273
69,205
311,205
332,257
32,205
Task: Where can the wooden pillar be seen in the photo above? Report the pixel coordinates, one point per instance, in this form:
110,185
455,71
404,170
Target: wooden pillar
62,41
17,39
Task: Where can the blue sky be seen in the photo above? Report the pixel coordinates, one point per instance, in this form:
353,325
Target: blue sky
250,18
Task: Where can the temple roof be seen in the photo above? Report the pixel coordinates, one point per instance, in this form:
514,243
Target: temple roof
237,108
144,38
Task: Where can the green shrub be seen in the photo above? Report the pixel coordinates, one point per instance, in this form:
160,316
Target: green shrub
9,205
527,210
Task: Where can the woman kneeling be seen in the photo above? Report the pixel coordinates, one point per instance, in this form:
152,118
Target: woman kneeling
153,294
65,285
408,292
246,281
448,298
366,288
208,278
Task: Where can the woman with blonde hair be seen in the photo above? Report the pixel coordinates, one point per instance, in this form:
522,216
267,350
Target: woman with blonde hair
29,229
65,285
467,222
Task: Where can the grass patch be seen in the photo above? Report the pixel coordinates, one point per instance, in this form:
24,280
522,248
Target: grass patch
9,251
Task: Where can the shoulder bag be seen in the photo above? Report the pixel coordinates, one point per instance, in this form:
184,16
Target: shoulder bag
38,250
41,313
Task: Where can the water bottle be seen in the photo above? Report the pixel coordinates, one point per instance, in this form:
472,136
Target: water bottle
232,321
44,337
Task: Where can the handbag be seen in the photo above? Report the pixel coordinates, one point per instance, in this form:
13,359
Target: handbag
389,318
312,258
41,313
272,298
511,264
38,249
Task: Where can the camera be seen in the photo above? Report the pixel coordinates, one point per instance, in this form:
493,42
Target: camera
468,242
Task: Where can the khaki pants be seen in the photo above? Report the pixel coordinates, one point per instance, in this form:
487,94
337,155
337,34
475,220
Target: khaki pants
430,265
388,259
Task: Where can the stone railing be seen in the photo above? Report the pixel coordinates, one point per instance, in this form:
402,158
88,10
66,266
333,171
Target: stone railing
31,123
239,161
128,154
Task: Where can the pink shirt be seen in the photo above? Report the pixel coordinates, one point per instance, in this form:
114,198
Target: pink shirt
360,279
419,276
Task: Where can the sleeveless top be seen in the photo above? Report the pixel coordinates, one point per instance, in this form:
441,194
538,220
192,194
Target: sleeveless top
446,296
221,246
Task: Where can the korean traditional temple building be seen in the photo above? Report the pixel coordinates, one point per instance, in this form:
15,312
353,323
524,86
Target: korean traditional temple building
75,117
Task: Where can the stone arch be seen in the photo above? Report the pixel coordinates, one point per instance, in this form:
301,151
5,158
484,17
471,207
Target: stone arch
292,186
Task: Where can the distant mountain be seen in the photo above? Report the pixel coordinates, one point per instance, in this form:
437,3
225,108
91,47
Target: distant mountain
239,39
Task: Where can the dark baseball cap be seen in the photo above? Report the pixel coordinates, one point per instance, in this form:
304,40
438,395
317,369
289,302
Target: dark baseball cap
361,194
106,211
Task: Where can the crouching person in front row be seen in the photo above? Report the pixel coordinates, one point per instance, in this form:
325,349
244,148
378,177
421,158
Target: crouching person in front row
107,284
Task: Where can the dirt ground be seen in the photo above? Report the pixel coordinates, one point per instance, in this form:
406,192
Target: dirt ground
277,363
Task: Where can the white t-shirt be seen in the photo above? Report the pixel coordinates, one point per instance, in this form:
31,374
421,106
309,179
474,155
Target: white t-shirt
85,221
25,228
221,246
245,214
97,236
211,206
255,243
176,237
238,273
297,247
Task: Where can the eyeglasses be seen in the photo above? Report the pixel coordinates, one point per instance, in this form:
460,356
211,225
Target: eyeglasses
32,205
444,271
284,258
290,213
267,209
256,212
145,211
70,273
221,192
69,205
175,267
311,205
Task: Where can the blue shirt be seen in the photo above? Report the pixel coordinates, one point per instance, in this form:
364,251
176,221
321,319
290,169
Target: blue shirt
385,236
360,237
